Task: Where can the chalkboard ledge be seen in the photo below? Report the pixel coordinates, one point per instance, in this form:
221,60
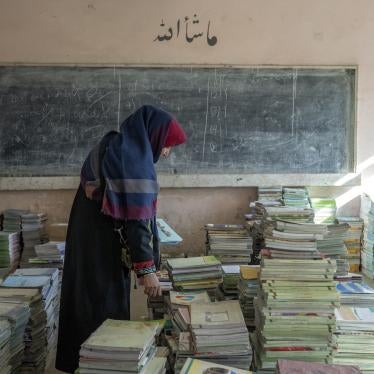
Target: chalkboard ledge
197,180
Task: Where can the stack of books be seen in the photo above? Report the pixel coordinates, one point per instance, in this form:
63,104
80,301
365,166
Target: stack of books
121,347
332,246
267,196
33,358
356,294
367,252
294,311
307,240
36,343
228,290
248,288
290,366
286,213
254,229
49,253
5,333
352,241
324,210
183,351
296,197
271,196
231,244
219,332
355,337
179,339
47,278
193,366
10,249
15,316
284,239
195,273
12,219
33,232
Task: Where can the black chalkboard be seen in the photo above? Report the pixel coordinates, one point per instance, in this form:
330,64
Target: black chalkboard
238,120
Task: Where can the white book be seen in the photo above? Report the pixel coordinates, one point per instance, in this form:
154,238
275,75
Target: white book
188,298
217,315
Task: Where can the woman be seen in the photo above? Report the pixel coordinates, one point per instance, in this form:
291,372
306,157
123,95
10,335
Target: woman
112,227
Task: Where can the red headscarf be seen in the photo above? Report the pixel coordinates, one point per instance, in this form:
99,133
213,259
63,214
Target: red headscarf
175,135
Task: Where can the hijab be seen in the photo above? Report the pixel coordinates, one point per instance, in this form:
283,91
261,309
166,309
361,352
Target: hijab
123,177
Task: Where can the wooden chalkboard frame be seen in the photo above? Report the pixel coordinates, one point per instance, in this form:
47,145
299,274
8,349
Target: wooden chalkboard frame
207,180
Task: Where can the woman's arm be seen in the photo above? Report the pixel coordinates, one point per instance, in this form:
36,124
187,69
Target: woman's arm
140,242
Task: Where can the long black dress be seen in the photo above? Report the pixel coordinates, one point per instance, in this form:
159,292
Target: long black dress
96,284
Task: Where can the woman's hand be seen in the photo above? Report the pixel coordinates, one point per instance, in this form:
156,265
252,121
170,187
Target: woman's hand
151,284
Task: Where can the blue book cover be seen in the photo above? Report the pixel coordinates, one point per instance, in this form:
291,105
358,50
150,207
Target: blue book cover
166,234
27,281
354,288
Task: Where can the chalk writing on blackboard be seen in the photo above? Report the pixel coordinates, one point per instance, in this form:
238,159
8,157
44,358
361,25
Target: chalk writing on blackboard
167,33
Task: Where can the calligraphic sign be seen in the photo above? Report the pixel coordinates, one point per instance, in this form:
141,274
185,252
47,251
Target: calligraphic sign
188,33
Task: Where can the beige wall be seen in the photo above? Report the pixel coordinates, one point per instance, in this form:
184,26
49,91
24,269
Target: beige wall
249,32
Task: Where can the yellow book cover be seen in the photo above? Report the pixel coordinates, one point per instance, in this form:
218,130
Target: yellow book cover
249,271
191,262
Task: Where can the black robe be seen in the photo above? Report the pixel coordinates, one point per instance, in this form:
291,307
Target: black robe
96,284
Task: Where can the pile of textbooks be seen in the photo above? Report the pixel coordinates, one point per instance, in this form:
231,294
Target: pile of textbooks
12,219
231,244
286,213
122,347
179,339
179,304
33,232
324,210
284,239
46,280
296,197
14,317
228,290
352,241
10,249
356,294
49,280
219,332
51,253
248,288
294,311
332,246
270,195
195,273
34,334
355,337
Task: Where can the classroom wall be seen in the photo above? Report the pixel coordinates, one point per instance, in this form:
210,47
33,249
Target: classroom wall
249,32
